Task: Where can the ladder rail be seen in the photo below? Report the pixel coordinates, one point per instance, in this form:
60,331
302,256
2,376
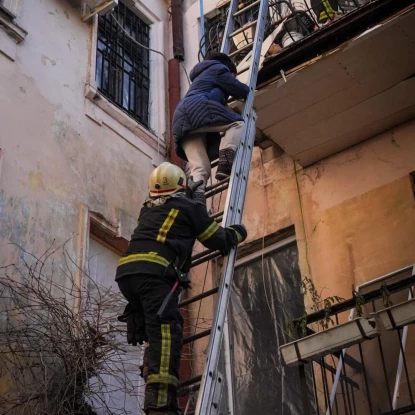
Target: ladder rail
230,27
233,211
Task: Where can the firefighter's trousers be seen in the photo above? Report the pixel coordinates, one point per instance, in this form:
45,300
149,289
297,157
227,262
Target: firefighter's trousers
165,337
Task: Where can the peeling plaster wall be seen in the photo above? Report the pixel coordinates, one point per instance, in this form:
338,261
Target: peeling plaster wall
356,219
56,161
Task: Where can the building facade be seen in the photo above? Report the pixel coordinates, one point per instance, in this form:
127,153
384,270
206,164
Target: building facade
333,176
84,120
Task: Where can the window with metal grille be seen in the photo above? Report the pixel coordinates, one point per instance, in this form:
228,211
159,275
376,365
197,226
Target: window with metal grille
122,73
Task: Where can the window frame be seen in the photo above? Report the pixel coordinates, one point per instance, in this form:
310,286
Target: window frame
122,67
264,251
12,14
7,11
150,140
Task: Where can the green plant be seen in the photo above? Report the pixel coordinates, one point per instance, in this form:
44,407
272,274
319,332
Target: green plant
385,295
318,303
359,302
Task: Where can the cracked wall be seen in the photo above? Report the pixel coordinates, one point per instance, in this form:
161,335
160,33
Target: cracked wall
356,218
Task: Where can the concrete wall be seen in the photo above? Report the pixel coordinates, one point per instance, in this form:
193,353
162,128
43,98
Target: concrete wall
353,212
65,149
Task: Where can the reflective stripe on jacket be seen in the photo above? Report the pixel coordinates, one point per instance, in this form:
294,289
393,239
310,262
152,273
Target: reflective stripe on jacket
168,232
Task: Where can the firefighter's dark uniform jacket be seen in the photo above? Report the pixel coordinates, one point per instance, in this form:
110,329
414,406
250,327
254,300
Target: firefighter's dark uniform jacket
167,232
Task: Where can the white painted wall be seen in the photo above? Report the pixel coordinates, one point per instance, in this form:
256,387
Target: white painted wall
65,148
102,263
192,36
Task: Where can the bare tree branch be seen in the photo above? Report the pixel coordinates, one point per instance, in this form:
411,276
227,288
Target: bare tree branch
56,361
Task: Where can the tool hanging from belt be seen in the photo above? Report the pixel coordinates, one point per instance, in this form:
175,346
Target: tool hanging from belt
182,282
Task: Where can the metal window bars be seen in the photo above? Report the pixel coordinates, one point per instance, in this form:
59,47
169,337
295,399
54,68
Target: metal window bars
122,67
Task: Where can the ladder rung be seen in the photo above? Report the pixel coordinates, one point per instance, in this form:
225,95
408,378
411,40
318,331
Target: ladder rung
206,258
242,11
244,69
238,51
217,214
199,297
217,184
243,28
214,163
201,254
188,390
197,336
217,190
191,381
218,220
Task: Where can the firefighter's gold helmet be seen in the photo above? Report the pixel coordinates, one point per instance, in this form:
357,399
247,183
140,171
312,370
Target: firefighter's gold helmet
166,179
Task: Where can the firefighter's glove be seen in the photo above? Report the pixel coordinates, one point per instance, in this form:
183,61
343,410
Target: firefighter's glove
136,327
185,283
238,234
193,186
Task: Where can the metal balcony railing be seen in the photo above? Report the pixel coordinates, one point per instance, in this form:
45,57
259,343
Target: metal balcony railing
298,18
371,376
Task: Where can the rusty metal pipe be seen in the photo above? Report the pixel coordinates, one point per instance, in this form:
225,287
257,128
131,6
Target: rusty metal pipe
174,99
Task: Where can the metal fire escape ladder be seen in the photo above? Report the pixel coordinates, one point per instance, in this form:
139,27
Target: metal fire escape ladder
210,388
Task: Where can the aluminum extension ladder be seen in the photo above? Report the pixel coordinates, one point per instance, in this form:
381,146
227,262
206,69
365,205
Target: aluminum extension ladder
212,382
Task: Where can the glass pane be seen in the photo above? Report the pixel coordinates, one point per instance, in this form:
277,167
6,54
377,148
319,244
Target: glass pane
106,76
122,65
145,106
98,77
132,96
139,100
125,92
101,45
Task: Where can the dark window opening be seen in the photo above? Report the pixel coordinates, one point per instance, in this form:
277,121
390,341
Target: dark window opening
214,29
412,177
122,73
266,296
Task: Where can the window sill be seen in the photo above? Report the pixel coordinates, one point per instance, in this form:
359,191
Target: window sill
125,120
10,36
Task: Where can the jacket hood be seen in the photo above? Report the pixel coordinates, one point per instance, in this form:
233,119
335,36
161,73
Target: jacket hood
202,66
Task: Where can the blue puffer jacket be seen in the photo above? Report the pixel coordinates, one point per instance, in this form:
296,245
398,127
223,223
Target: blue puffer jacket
205,102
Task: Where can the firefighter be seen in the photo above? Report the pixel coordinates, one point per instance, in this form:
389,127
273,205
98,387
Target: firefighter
158,254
